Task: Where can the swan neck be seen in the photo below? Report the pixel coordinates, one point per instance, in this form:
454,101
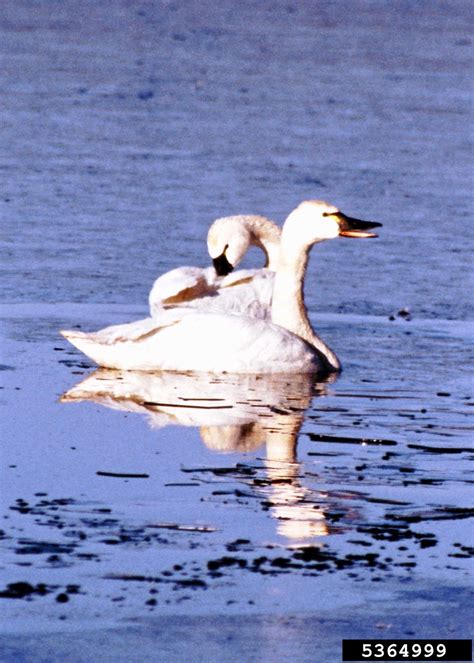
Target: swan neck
271,248
266,235
288,306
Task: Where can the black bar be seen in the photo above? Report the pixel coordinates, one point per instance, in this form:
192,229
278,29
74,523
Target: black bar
122,475
407,650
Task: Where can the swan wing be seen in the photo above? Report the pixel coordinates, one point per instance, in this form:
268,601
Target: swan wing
246,291
181,286
240,276
249,295
124,333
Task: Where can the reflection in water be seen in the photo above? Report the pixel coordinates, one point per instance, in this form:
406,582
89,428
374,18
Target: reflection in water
297,509
235,413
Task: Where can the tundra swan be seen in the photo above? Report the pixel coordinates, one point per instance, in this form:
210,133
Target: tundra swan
187,340
216,288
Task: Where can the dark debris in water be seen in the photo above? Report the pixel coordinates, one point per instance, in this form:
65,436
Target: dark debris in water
21,590
374,550
306,560
123,475
463,552
165,577
76,363
440,450
82,525
446,513
319,437
182,528
239,469
23,506
31,547
395,533
25,590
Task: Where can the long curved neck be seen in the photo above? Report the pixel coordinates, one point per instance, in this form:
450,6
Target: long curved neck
266,235
288,307
271,248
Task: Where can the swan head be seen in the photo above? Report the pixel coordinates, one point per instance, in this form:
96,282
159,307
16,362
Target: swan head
315,221
230,237
227,242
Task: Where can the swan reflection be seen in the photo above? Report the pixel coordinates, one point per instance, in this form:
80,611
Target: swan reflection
234,413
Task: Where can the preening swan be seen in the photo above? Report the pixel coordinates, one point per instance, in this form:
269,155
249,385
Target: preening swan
189,340
228,240
230,237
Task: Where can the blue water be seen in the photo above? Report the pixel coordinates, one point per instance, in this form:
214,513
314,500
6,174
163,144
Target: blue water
128,130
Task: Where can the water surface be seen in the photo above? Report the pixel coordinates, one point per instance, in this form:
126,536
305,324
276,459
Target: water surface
279,516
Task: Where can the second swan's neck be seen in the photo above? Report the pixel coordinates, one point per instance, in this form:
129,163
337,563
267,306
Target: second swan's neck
266,235
288,307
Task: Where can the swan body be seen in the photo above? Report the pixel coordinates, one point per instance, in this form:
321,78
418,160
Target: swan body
207,341
201,342
228,240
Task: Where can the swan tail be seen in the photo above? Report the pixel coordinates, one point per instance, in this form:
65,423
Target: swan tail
129,346
74,337
87,344
72,397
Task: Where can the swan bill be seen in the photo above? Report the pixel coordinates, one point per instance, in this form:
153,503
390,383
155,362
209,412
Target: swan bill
350,227
222,265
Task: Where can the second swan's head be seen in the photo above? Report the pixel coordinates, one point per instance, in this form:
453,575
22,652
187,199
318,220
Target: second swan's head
315,220
230,237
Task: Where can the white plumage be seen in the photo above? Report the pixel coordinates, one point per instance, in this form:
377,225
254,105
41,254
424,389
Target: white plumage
183,339
216,288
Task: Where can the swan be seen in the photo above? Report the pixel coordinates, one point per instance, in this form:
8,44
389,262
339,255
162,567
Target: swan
197,341
217,288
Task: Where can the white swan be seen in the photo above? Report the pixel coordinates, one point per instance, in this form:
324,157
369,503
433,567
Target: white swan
228,240
187,340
